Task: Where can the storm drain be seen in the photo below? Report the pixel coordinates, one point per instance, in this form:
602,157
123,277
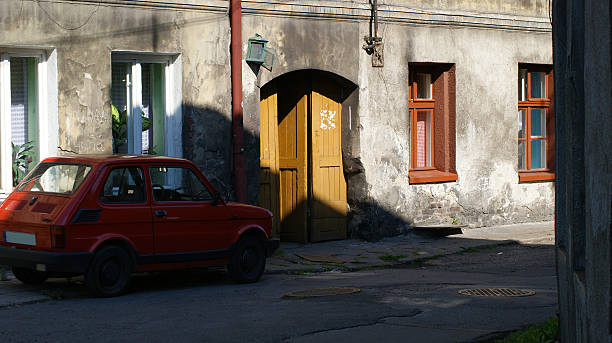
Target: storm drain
496,292
321,292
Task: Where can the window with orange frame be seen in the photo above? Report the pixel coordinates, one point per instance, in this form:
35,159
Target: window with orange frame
432,122
535,123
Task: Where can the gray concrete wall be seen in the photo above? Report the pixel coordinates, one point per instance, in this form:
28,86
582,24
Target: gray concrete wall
486,51
84,35
485,41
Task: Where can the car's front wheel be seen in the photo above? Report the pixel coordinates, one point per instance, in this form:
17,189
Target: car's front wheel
29,276
248,260
110,272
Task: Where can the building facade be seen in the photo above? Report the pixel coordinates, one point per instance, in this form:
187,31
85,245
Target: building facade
372,117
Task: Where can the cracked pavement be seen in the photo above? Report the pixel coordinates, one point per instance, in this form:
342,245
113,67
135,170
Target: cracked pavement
414,302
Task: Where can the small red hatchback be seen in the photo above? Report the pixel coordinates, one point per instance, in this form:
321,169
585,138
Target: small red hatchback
105,217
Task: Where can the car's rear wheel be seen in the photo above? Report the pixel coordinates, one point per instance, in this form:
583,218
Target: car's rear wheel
248,260
29,276
110,272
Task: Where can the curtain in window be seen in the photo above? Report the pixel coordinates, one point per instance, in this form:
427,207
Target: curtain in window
19,101
119,73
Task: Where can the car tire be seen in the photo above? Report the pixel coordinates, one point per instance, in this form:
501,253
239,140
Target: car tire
29,276
248,260
109,272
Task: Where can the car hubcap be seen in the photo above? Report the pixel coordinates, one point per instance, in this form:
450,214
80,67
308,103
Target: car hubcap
110,272
248,260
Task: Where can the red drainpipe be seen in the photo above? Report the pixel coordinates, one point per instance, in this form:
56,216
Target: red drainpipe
237,111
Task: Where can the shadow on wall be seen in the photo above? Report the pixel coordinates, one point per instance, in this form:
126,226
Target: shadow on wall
207,141
308,172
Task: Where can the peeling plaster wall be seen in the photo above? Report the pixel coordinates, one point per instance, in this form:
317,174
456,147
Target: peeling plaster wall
487,191
383,202
484,39
84,37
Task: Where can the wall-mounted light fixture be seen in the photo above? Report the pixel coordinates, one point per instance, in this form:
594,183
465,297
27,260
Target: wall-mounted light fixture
259,53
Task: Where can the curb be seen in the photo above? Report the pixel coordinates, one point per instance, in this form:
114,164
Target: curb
327,267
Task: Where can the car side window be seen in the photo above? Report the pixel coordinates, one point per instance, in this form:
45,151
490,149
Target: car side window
177,184
124,185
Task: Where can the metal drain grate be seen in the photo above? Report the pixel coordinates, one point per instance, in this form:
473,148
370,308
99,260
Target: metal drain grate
321,292
496,292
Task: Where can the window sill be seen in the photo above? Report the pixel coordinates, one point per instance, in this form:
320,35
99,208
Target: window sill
430,176
538,176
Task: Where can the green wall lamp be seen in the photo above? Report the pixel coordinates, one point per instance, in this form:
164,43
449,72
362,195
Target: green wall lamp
259,53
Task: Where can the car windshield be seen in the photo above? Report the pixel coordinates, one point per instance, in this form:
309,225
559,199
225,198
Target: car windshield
62,178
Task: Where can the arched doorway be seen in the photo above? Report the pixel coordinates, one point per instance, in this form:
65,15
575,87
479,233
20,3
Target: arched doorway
302,179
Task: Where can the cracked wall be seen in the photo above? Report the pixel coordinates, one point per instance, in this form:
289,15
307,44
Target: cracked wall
487,191
381,199
84,37
308,35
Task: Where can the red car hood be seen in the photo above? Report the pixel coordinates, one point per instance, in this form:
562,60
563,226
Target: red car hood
243,211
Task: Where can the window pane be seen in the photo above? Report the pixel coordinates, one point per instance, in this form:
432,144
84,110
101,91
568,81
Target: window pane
124,185
522,125
538,122
19,101
159,112
423,139
177,184
521,155
522,85
147,105
120,74
119,77
538,154
55,178
24,113
538,85
423,86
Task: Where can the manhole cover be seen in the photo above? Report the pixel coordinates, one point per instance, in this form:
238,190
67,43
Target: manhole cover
321,292
497,292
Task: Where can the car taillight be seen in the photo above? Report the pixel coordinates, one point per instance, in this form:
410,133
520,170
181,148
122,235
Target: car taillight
58,237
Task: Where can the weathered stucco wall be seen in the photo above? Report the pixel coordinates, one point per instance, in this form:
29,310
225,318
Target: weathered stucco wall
84,37
487,191
486,56
484,40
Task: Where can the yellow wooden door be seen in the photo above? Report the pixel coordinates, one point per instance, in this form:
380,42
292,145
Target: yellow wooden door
292,153
268,189
328,187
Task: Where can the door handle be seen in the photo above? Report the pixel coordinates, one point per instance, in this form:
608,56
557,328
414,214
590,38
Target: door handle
161,213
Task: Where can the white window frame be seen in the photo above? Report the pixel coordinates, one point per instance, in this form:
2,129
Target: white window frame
173,90
47,95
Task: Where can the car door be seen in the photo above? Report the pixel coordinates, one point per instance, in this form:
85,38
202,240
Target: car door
124,208
186,218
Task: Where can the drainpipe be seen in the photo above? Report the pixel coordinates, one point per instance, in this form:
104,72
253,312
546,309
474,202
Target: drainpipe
237,111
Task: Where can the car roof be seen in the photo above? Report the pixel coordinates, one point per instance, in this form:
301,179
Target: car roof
111,159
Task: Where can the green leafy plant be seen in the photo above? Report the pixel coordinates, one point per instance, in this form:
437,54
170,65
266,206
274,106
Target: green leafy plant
119,127
22,157
455,220
546,332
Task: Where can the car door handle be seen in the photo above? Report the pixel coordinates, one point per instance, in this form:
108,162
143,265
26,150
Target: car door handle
161,213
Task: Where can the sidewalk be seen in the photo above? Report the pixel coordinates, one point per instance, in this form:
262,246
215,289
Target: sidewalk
353,255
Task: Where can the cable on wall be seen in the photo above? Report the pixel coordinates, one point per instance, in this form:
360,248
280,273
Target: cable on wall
93,12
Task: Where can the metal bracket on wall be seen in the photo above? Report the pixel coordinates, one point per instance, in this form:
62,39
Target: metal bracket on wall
378,57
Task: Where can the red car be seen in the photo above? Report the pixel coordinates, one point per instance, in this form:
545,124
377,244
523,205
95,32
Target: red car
105,217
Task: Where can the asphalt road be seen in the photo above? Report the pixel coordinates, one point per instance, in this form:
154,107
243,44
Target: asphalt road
415,303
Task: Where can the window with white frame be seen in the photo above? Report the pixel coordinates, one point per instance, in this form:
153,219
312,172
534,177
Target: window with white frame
146,92
28,111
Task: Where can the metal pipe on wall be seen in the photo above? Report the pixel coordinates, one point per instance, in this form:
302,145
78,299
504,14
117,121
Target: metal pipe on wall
237,111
